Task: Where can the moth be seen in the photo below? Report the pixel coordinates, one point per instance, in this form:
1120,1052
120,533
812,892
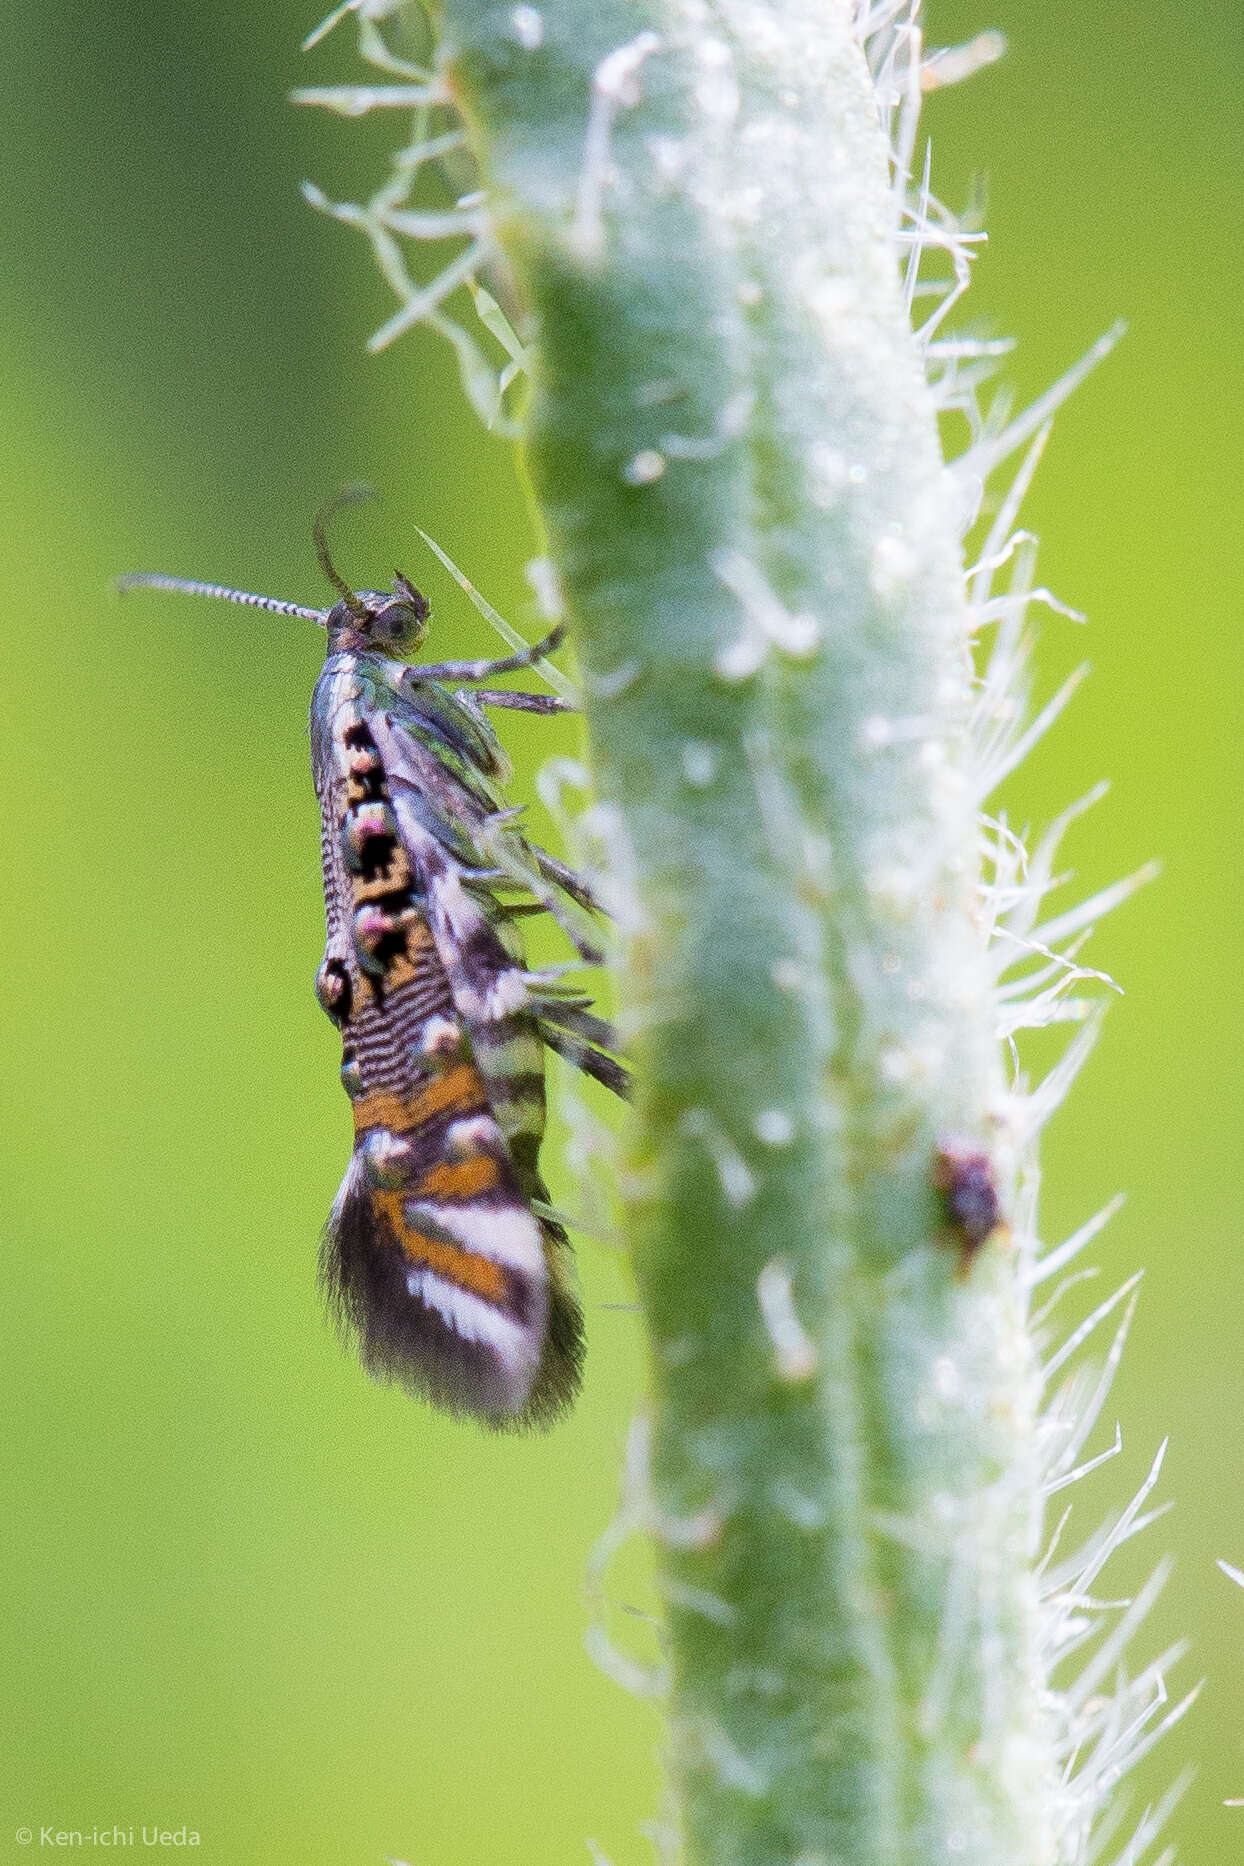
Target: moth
441,1255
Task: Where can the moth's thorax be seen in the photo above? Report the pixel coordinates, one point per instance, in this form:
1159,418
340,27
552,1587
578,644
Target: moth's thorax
356,682
360,671
352,684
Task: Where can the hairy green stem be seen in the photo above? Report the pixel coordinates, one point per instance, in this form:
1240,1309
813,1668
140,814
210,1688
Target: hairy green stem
735,457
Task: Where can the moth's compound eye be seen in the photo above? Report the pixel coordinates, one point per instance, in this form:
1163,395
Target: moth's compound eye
400,626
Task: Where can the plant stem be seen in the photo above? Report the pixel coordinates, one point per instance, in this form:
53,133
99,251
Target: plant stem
735,457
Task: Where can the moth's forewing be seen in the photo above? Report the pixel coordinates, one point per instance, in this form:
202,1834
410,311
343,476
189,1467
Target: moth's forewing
433,1255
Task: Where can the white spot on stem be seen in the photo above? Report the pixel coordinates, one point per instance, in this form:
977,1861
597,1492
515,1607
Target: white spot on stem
699,764
542,575
774,1127
793,1349
644,468
528,25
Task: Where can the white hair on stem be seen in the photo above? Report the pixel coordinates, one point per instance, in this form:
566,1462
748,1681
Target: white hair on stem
1106,1720
393,226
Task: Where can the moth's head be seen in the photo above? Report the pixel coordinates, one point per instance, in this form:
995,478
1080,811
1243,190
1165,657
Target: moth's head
386,622
392,622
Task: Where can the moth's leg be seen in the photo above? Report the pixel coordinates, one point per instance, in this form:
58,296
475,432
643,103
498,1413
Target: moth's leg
568,879
485,670
590,1060
580,1020
517,702
529,867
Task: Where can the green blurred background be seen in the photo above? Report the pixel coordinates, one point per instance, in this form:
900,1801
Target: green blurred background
245,1590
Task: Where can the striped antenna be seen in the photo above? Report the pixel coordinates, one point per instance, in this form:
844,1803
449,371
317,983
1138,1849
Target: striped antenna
187,586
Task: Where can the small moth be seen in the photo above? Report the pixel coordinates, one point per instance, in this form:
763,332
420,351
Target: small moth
441,1253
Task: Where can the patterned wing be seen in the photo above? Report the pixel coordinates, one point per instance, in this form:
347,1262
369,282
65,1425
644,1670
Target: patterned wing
463,844
432,1253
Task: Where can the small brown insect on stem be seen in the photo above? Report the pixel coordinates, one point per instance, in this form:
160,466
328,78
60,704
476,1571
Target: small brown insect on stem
964,1176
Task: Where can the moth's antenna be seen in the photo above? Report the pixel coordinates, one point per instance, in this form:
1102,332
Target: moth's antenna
349,495
187,586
